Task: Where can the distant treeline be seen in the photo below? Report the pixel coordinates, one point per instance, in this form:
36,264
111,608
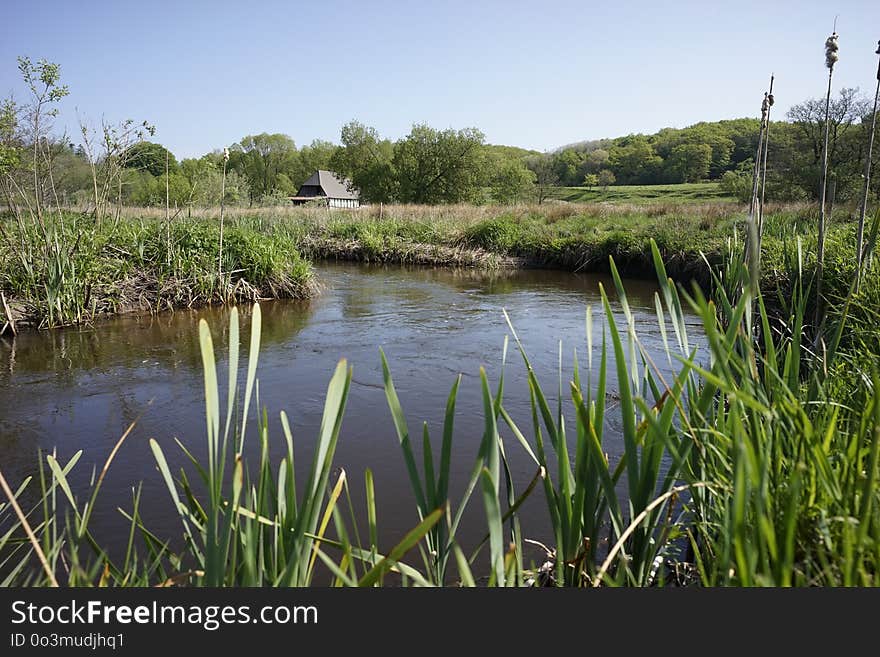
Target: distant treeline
725,151
430,166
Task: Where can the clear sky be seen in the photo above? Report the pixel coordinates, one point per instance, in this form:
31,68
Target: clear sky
532,74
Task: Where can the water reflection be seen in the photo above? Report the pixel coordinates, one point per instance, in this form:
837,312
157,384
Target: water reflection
80,388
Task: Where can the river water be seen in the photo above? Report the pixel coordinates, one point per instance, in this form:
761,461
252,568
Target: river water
78,389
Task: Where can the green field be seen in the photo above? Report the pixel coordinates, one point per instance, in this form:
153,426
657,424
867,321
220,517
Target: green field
680,193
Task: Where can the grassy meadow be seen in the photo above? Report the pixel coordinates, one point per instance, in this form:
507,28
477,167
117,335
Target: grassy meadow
701,192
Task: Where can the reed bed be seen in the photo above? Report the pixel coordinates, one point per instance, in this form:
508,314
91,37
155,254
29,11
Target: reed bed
71,269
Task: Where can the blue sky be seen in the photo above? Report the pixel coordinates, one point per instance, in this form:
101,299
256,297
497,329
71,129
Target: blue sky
531,74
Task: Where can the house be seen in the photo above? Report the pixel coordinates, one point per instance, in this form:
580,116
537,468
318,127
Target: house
328,188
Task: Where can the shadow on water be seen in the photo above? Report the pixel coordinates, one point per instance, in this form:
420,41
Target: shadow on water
80,388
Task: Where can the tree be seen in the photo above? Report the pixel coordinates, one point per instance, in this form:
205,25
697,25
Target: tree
512,183
204,181
150,157
592,163
313,157
688,163
567,163
262,159
634,161
737,184
545,176
606,178
591,180
435,166
714,135
366,160
24,131
10,141
845,141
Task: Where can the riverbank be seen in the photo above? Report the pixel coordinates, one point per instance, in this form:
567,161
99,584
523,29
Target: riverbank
68,269
567,236
76,270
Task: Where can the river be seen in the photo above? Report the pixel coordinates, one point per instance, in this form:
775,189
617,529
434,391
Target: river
79,388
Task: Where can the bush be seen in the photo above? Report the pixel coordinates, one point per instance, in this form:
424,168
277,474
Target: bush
500,234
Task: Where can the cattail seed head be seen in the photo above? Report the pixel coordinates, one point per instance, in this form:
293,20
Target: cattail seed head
831,48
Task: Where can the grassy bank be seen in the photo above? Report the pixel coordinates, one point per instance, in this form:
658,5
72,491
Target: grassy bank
564,236
575,237
68,269
79,270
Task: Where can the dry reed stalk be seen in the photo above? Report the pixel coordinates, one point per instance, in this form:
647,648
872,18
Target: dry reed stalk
860,240
10,321
167,220
770,101
27,530
752,251
222,199
831,57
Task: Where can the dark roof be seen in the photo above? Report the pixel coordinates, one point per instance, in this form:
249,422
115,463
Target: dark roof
333,185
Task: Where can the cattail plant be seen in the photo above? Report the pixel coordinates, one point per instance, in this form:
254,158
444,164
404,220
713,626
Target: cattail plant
222,199
860,246
831,57
752,251
769,105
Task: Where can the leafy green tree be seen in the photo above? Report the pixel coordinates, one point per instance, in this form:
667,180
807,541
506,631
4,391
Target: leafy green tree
591,180
262,159
567,163
737,184
71,171
688,163
141,188
43,81
10,142
513,182
435,166
846,141
313,157
605,178
545,176
366,160
714,135
150,157
596,160
633,161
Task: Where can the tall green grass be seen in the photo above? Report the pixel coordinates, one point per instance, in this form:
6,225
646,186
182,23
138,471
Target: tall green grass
70,269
